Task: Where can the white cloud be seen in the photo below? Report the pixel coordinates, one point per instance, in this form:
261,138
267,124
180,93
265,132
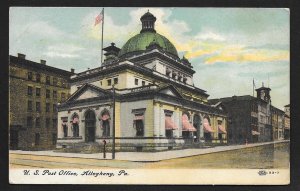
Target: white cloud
53,54
209,36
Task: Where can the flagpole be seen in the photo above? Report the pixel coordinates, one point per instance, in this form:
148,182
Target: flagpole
113,152
253,86
102,37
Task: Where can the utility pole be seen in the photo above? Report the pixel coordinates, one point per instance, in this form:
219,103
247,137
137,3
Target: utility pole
113,130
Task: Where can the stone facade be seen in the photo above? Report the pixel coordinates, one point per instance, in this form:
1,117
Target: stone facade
157,106
35,89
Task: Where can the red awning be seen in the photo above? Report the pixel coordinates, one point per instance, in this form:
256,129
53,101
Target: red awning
75,120
186,125
207,127
222,129
138,117
105,117
169,124
255,133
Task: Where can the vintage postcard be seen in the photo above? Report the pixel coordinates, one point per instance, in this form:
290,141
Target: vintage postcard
143,95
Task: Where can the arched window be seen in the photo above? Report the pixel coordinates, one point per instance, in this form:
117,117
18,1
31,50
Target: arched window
75,125
105,123
207,129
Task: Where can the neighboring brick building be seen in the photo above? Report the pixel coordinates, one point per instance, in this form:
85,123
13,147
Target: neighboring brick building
287,121
34,91
277,123
249,118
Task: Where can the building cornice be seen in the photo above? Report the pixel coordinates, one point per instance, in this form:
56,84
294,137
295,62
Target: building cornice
95,73
13,60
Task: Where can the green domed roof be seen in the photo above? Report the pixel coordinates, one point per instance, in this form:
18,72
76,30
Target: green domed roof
140,41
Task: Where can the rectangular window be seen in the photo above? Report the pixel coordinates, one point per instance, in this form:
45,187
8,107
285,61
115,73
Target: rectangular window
38,78
38,122
29,76
47,125
115,80
55,81
29,91
29,122
64,84
54,136
54,94
38,91
29,106
37,139
139,126
63,96
47,107
48,80
54,108
136,81
109,82
54,123
143,83
47,93
38,106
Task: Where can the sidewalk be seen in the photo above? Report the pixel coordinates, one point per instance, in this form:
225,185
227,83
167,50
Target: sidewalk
145,156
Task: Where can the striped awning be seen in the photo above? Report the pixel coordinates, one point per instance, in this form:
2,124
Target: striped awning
138,117
255,133
186,125
169,124
221,129
105,117
206,126
75,120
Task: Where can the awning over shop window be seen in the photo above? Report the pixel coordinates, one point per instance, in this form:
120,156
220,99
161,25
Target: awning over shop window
206,126
75,120
186,125
64,119
169,124
255,133
105,117
138,117
222,130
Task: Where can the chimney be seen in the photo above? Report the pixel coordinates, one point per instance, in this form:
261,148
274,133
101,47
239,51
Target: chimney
22,56
72,70
43,62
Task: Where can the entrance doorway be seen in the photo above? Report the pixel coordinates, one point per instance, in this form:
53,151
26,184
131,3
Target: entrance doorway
196,123
90,129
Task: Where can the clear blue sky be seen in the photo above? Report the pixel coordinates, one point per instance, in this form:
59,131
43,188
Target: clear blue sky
227,47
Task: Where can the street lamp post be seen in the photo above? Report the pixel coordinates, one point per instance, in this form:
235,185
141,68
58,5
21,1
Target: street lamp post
113,129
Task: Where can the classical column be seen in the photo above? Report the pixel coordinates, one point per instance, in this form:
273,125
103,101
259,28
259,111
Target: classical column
180,123
156,120
176,121
162,131
201,127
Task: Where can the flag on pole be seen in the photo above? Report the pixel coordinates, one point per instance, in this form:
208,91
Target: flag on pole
99,18
254,83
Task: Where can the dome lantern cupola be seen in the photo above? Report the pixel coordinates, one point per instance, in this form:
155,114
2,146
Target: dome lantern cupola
148,21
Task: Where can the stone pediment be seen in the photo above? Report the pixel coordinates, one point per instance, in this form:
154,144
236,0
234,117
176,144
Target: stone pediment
88,91
170,90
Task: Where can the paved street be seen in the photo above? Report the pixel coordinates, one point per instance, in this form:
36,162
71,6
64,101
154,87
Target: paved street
238,156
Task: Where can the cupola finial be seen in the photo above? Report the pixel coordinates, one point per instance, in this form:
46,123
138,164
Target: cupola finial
148,21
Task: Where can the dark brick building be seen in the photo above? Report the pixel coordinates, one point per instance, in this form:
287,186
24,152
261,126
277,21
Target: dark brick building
35,89
252,119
